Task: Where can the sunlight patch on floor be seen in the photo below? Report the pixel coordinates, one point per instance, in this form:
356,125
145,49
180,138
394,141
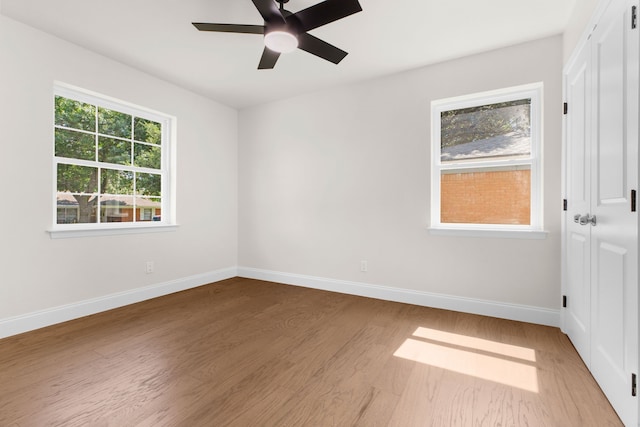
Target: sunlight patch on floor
509,350
488,360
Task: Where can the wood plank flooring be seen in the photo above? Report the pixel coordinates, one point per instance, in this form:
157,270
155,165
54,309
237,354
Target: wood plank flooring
249,353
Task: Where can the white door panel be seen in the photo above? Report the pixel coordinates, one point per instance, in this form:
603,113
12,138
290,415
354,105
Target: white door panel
578,96
614,353
577,238
607,248
609,83
614,237
578,321
608,318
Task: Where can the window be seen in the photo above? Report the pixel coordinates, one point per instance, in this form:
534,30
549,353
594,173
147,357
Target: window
486,162
111,163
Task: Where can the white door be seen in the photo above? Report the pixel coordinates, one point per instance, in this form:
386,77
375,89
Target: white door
578,237
601,258
614,237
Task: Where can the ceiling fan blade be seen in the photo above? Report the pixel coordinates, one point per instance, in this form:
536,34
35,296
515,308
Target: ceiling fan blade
269,11
320,48
229,28
326,12
268,60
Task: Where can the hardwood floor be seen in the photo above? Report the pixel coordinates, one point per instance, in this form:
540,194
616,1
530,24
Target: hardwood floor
249,353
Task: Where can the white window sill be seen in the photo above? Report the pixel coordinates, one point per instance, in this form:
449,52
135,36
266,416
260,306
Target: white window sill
485,232
66,233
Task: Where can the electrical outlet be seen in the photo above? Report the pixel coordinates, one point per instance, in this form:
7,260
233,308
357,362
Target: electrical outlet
363,266
149,266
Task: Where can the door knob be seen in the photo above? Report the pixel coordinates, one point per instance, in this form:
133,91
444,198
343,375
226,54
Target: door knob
576,218
586,219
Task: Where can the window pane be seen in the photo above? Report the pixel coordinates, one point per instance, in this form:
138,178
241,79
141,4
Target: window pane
75,145
102,157
67,215
144,214
114,123
147,156
148,184
486,132
75,114
76,208
147,131
116,182
486,197
116,209
114,151
77,179
148,208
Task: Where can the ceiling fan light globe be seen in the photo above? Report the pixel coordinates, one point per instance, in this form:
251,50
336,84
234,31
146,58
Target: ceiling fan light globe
281,41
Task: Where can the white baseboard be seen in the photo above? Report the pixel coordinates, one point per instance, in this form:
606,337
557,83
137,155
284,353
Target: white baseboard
39,319
522,313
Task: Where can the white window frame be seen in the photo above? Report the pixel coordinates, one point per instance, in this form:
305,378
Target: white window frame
167,170
535,229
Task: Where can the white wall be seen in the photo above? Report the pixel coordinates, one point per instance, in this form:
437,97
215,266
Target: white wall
38,273
332,178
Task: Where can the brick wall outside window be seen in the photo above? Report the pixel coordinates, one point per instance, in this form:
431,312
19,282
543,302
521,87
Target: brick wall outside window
495,197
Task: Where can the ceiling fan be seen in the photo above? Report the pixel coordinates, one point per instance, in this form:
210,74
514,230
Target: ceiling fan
285,31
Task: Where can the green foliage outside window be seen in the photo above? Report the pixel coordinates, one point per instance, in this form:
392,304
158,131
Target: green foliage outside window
75,114
75,145
147,131
148,184
112,150
114,123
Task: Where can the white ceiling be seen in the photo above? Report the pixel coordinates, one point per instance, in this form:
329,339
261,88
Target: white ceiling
156,36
